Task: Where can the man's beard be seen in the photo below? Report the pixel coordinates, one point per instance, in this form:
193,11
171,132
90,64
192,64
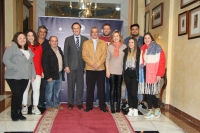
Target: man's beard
106,34
136,35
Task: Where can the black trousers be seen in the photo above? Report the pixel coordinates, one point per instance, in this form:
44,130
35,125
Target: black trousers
91,78
42,92
115,88
152,99
17,88
130,79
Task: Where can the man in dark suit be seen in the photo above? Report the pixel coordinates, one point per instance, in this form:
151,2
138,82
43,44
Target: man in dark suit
74,65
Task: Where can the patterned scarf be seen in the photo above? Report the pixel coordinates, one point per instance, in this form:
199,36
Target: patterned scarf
150,56
116,50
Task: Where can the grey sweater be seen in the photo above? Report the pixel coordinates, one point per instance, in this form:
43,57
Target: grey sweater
115,64
17,65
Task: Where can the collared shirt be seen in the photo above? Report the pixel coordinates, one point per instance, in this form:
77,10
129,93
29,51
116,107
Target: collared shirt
57,52
75,39
95,41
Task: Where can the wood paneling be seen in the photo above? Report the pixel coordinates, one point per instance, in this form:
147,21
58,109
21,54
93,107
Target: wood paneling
2,46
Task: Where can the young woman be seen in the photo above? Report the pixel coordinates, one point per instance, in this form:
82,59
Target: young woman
36,48
151,69
131,70
18,59
114,68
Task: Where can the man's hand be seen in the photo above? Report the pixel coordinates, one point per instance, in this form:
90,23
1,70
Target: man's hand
95,66
67,70
49,80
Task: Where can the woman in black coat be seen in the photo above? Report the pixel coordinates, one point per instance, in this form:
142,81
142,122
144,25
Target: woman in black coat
130,73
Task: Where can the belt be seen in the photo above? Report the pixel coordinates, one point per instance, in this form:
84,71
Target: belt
131,68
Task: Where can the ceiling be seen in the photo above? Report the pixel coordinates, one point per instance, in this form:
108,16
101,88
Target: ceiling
72,9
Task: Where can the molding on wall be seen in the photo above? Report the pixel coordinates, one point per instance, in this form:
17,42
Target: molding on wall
190,120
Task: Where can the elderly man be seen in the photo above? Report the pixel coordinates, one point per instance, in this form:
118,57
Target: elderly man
94,54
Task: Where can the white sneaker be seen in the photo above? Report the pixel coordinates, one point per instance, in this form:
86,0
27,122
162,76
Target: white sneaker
135,112
96,104
36,111
130,112
149,115
157,113
24,110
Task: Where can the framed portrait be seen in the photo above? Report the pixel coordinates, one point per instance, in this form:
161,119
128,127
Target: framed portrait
146,24
194,23
183,23
147,2
157,16
185,3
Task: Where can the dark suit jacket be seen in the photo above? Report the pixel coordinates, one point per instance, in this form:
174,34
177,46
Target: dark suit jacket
73,57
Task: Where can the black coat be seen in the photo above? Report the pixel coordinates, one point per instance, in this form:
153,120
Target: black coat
50,64
137,61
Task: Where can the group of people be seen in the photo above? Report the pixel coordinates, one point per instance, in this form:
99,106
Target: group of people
32,59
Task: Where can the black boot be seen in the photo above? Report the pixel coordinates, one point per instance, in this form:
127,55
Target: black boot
14,115
112,107
21,117
118,107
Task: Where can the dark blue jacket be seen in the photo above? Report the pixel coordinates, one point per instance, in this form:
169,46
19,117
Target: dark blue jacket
140,41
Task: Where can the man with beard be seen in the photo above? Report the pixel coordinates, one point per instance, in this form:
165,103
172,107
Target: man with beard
135,33
106,37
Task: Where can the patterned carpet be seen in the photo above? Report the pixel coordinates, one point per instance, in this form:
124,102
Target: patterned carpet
46,122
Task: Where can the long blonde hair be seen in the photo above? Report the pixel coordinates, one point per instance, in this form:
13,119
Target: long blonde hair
134,51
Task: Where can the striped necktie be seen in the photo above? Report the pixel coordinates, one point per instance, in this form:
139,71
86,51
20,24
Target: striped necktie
77,43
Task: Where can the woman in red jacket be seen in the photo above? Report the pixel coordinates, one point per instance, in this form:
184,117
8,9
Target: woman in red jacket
151,69
36,48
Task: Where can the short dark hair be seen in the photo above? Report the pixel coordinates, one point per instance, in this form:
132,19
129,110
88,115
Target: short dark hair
15,40
51,37
43,27
35,42
74,24
106,24
134,25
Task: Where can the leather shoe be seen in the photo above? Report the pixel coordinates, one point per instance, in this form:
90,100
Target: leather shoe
87,109
80,107
70,106
104,110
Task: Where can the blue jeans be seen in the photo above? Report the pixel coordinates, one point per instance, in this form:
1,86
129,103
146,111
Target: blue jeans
52,92
107,90
140,96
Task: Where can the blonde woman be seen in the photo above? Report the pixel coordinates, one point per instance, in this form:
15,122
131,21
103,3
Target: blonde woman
114,68
131,70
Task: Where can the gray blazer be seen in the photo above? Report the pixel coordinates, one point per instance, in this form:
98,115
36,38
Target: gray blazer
72,57
18,67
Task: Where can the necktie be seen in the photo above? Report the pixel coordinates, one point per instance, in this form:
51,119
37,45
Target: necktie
77,43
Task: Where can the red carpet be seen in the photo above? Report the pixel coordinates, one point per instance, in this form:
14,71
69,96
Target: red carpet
78,121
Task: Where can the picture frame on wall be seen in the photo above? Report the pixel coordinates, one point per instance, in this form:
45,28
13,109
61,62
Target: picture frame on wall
146,24
194,23
147,2
185,3
157,16
183,23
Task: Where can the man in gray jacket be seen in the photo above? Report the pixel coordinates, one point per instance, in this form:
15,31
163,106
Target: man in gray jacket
74,65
